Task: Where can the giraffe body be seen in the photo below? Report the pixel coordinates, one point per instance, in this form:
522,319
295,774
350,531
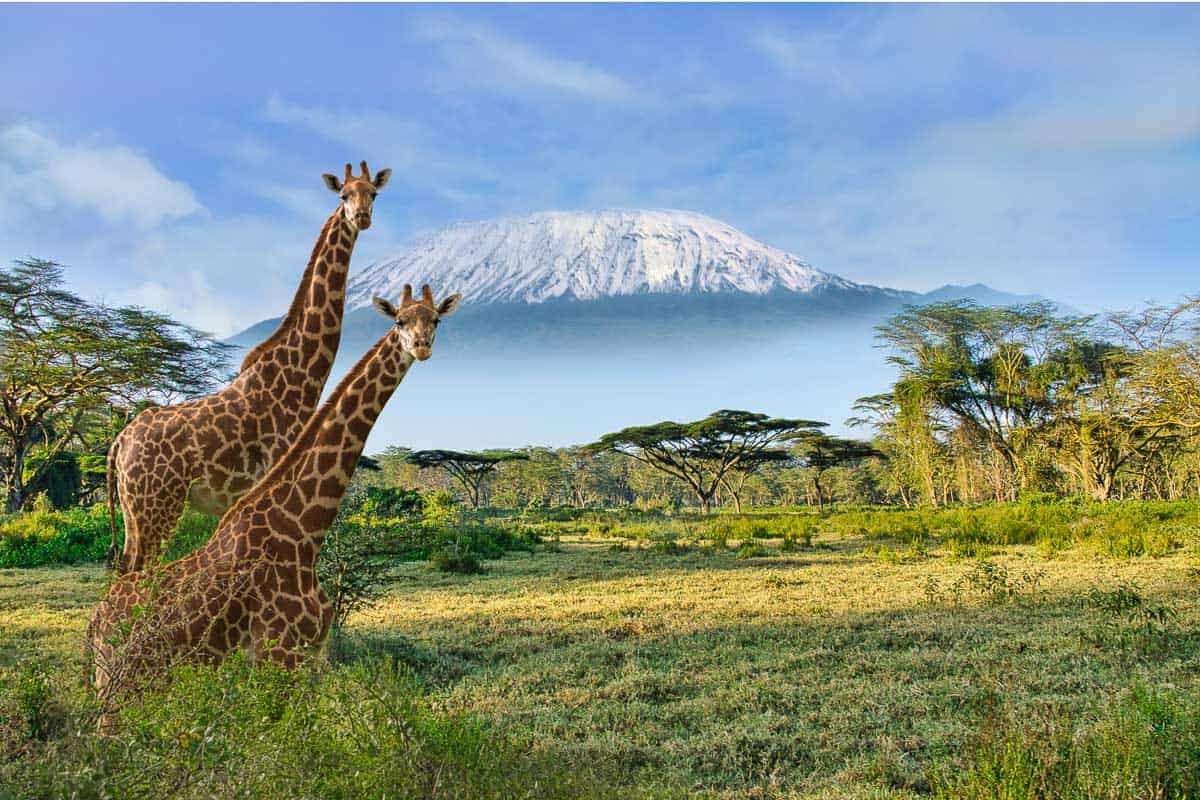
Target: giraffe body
254,584
212,450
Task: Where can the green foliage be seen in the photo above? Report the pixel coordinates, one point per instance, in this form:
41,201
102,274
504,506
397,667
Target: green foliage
669,547
82,534
58,481
1143,744
31,713
1125,620
353,566
987,581
54,537
469,469
751,550
364,730
454,557
193,530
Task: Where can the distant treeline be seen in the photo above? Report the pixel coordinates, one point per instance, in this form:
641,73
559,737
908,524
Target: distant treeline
991,403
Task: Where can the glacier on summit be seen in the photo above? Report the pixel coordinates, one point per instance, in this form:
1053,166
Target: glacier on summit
586,256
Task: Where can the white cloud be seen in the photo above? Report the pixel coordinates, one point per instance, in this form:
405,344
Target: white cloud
417,155
40,174
490,57
1160,112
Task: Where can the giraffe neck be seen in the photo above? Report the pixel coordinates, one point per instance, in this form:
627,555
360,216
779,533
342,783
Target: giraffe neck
310,481
313,323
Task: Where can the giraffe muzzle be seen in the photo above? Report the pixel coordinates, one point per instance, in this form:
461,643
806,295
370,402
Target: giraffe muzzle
362,221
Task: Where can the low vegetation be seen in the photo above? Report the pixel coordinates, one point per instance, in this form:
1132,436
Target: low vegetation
646,654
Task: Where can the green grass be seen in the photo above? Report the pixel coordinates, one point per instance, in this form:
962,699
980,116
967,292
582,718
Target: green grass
1124,529
833,669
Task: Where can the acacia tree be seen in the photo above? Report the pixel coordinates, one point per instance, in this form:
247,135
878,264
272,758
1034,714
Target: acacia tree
751,464
469,469
704,452
820,452
1164,363
989,368
64,361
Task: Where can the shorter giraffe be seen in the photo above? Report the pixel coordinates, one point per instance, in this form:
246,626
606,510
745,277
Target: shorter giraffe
254,584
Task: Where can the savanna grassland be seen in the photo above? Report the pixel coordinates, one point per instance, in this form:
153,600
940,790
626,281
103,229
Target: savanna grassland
837,662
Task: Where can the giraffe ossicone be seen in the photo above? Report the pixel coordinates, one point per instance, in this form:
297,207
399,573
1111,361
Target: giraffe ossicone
254,584
212,450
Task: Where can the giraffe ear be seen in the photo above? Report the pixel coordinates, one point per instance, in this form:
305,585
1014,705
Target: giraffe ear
332,182
381,178
449,305
384,307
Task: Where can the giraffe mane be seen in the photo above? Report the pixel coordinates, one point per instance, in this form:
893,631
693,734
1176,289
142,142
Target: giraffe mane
299,300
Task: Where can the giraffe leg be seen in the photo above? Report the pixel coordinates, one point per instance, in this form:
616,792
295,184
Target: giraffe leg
150,519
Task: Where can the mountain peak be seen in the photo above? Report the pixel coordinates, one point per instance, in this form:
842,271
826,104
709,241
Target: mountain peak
588,255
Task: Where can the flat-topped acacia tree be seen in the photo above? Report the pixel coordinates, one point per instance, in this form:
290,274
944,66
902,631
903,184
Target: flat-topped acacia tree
469,469
706,453
820,452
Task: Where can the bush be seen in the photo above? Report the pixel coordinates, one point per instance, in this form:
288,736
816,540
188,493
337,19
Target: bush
262,732
454,558
1144,743
55,537
193,530
82,534
751,550
352,566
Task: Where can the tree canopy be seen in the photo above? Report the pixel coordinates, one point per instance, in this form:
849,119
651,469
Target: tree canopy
468,468
64,361
706,452
820,452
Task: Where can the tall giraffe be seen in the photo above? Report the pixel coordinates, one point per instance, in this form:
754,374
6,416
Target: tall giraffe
212,450
254,583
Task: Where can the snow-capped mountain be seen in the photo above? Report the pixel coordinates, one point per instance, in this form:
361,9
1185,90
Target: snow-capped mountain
580,323
587,256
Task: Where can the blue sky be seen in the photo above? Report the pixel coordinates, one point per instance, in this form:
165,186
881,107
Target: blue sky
170,155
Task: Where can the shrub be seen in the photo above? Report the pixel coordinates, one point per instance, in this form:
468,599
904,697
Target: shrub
1144,743
751,550
365,730
455,558
352,567
82,534
193,530
669,547
55,537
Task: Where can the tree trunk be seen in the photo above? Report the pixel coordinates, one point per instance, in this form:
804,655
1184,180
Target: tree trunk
735,494
16,482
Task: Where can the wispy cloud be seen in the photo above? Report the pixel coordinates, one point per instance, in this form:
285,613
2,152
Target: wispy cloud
488,56
39,174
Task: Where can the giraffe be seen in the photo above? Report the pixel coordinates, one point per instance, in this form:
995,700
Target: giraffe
254,584
212,450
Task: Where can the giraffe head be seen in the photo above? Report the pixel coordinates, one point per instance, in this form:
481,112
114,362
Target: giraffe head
417,320
358,194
